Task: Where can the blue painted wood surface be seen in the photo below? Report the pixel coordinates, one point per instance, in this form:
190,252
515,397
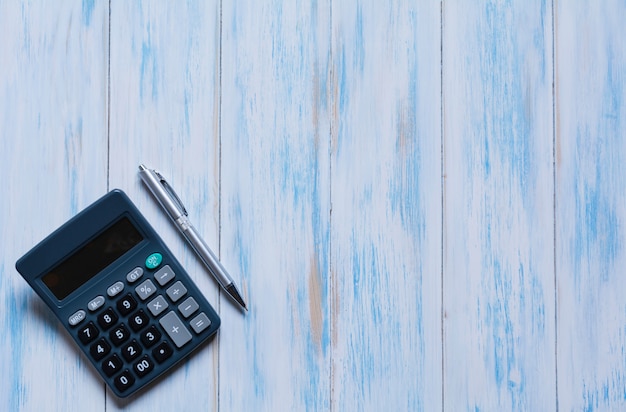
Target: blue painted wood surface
422,202
499,298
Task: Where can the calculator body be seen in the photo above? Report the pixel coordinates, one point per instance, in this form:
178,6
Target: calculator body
120,293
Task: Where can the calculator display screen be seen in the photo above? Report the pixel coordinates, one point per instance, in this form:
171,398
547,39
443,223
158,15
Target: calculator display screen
91,258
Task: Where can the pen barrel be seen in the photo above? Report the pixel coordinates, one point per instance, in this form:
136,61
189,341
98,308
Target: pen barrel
206,255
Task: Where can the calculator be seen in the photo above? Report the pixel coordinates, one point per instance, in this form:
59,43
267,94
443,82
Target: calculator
120,293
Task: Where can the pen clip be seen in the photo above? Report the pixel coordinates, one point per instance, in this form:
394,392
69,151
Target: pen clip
170,191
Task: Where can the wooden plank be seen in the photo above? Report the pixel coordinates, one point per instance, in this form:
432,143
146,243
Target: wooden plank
499,327
591,194
53,83
164,113
275,205
386,206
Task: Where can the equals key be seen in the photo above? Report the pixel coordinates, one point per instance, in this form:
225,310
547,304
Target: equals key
200,323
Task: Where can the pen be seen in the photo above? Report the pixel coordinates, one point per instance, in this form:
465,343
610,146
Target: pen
177,212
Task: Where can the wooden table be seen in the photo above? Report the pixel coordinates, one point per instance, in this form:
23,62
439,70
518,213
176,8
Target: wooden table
423,202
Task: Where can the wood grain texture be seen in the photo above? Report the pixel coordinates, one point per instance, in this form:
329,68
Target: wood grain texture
164,113
422,202
276,205
386,206
52,135
590,203
499,327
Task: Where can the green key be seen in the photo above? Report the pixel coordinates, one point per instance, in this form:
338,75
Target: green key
154,260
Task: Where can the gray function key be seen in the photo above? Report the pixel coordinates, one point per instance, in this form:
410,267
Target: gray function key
188,307
77,317
200,323
96,303
115,289
175,329
157,305
164,275
134,275
145,290
176,291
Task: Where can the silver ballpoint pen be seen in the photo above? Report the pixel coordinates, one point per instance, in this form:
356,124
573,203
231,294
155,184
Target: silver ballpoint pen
177,212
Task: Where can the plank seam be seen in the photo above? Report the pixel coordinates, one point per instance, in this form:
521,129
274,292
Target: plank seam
554,208
443,186
219,191
108,104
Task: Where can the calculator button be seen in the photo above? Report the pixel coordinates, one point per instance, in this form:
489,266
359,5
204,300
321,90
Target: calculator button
145,290
138,321
176,291
200,323
131,351
77,317
164,275
96,303
115,289
126,305
124,381
111,365
154,260
175,329
134,275
144,366
157,305
88,333
107,318
162,352
119,335
100,349
150,336
188,307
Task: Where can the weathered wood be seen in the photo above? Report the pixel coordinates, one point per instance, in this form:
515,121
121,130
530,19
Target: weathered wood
590,90
165,113
53,65
420,201
386,227
276,205
498,287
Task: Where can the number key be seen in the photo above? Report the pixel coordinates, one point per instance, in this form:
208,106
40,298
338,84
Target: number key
111,365
126,305
138,321
119,335
124,381
88,333
107,318
150,336
144,366
131,351
100,349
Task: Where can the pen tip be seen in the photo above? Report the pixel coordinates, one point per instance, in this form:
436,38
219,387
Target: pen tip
232,291
142,167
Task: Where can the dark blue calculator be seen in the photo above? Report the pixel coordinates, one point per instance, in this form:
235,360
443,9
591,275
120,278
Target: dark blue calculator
120,293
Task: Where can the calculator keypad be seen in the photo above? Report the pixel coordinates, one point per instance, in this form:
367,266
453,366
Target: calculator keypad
142,326
107,318
126,305
175,329
88,333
